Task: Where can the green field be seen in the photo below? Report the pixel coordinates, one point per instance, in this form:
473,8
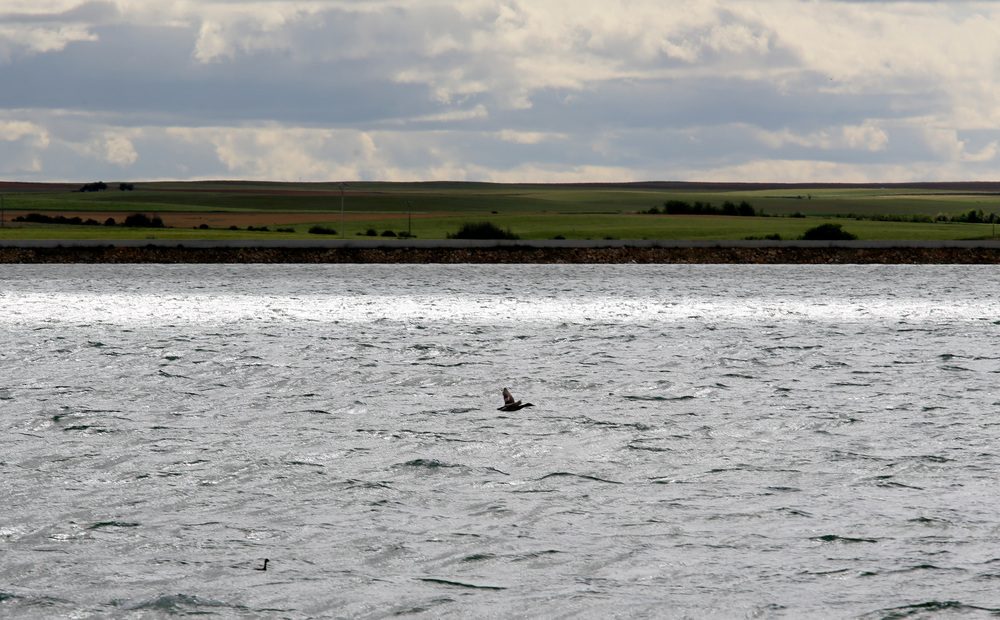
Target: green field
434,210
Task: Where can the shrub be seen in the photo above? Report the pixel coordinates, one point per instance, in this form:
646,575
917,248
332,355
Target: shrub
286,230
973,216
141,220
322,230
482,230
110,222
679,207
203,227
828,232
39,218
676,207
371,232
388,233
258,229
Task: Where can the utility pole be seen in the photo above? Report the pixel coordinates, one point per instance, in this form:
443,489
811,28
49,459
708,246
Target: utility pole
342,186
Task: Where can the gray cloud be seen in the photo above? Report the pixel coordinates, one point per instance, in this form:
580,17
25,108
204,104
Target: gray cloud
499,90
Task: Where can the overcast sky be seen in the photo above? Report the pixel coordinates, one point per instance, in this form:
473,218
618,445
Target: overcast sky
499,90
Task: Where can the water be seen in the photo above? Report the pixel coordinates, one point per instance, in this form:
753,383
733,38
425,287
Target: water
706,441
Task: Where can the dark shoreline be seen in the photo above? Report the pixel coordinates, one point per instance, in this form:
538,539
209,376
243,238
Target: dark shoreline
505,254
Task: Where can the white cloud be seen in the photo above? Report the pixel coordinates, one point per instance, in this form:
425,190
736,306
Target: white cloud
229,29
866,137
19,130
118,150
22,144
946,143
529,137
548,173
288,153
109,145
477,112
28,39
323,89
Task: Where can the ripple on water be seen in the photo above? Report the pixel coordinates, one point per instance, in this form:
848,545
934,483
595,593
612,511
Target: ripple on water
720,441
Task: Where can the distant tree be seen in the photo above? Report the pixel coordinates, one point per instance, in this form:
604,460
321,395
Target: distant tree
126,187
482,230
676,207
973,216
828,232
679,207
322,230
141,220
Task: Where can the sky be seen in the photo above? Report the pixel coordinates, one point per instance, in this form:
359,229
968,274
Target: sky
499,90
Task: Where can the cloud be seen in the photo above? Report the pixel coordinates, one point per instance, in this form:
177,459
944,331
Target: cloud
118,150
868,137
26,40
492,89
947,145
528,137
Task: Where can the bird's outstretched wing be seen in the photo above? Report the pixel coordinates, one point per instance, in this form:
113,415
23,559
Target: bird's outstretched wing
507,398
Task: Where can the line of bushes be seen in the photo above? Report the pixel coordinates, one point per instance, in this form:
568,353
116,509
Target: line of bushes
679,207
101,186
972,216
136,220
38,218
371,232
823,232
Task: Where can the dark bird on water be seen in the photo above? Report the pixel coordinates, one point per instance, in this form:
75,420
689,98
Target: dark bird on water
509,404
263,567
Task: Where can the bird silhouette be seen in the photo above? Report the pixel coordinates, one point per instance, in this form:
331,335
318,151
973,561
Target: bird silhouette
509,404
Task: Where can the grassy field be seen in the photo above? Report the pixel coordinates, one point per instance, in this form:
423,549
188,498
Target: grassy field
434,210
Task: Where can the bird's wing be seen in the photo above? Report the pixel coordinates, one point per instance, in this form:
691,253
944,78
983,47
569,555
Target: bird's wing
507,398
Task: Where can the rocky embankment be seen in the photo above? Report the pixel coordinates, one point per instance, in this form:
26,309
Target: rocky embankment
516,254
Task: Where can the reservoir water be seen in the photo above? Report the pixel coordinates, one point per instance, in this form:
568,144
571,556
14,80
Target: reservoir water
706,441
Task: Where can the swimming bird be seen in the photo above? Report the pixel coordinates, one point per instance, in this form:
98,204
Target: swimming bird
509,404
263,567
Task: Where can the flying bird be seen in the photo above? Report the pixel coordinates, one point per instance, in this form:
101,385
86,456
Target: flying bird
265,565
509,404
